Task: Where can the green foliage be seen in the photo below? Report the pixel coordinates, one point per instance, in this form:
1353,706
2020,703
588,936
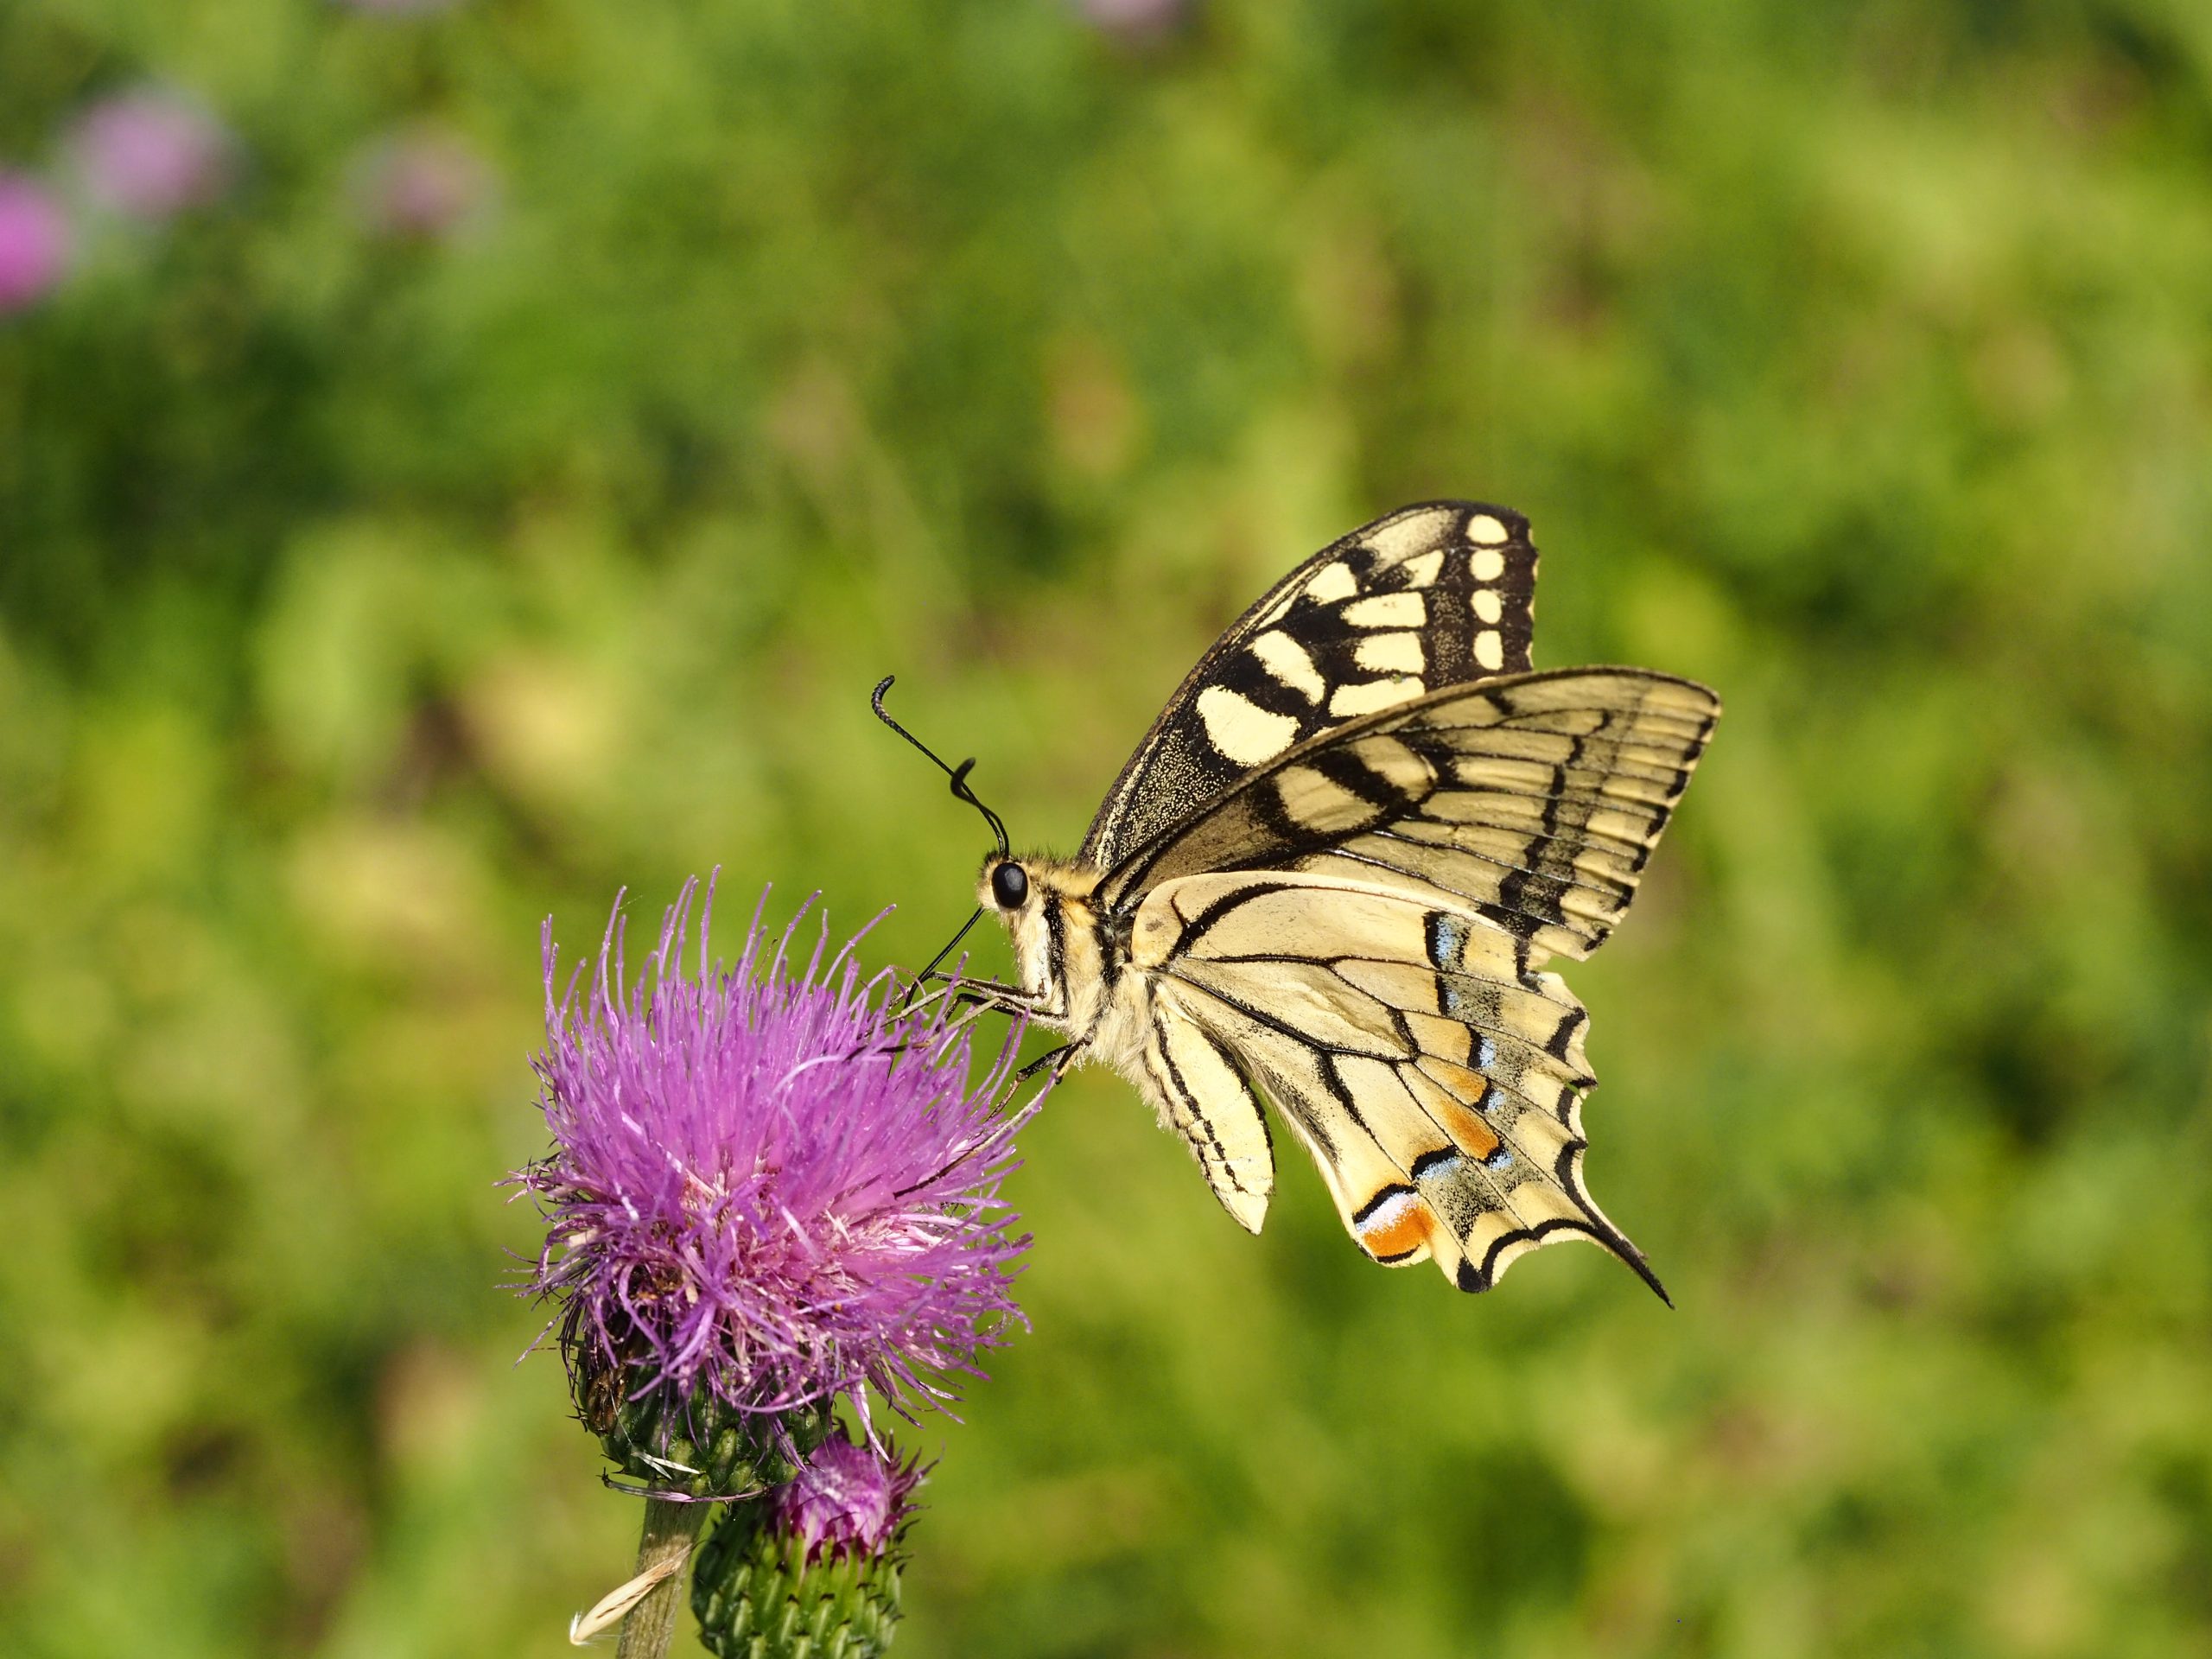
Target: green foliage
361,601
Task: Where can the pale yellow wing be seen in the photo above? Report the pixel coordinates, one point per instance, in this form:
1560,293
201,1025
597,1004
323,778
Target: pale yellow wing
1434,1077
1531,801
1194,1082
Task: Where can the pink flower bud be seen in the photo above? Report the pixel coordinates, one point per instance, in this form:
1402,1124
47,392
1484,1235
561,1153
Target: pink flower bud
34,242
1133,19
423,185
846,1500
152,153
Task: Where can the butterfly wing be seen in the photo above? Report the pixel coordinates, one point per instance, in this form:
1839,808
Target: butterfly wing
1193,1080
1354,928
1534,801
1435,1081
1430,596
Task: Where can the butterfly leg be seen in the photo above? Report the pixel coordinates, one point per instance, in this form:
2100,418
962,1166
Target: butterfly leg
1007,1001
990,993
1049,1007
1061,1059
996,988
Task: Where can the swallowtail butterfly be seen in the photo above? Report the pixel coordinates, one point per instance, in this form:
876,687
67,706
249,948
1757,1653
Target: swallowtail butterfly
1328,877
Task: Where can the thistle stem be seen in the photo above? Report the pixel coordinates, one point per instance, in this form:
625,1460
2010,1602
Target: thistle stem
668,1532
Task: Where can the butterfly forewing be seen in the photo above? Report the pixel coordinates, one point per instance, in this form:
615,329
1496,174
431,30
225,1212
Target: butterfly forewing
1535,801
1430,596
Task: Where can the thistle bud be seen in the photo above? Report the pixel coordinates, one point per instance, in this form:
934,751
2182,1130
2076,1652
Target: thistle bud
812,1574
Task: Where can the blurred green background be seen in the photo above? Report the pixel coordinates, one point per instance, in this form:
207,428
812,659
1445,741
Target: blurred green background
380,572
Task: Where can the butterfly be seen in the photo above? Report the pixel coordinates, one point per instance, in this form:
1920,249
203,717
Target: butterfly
1328,878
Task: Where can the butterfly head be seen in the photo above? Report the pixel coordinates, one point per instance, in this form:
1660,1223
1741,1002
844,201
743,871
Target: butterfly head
1006,883
1045,904
1031,886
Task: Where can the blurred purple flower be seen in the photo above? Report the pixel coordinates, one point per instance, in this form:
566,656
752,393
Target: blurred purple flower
152,153
423,185
768,1186
847,1500
34,242
1133,19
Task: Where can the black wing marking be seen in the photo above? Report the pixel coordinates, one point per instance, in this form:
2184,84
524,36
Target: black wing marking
1532,801
1432,595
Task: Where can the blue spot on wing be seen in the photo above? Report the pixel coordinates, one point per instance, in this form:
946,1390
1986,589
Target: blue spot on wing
1433,1164
1447,939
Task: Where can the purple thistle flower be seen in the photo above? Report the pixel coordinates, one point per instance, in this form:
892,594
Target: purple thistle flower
847,1500
152,153
34,242
769,1187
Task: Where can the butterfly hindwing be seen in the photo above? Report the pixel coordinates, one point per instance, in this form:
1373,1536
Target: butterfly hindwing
1430,596
1195,1083
1434,1078
1533,800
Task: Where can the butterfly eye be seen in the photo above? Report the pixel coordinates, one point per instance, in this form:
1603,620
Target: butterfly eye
1009,885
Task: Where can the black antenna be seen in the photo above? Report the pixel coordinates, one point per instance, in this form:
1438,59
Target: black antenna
922,978
958,774
960,787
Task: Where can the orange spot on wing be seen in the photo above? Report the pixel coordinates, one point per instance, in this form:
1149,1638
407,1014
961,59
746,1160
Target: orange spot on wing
1468,1085
1397,1228
1476,1138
